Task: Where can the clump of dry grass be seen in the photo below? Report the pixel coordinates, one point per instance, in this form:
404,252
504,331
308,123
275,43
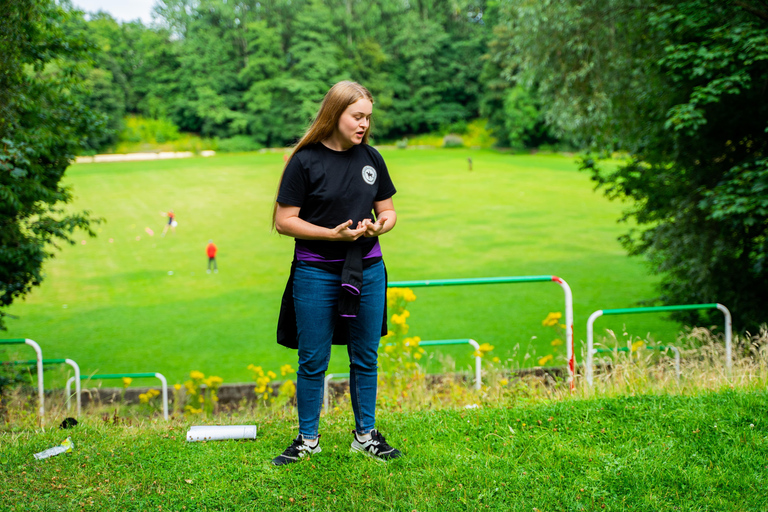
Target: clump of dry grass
636,369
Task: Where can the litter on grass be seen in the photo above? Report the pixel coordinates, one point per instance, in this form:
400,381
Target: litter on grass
65,447
222,432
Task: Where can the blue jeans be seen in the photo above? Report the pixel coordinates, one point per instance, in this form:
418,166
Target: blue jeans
315,297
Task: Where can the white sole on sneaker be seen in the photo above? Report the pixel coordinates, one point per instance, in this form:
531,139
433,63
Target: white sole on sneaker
357,447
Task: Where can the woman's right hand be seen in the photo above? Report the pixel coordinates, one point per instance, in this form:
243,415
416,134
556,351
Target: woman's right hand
344,233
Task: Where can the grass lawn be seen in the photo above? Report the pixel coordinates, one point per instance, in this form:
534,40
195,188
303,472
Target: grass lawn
112,304
642,453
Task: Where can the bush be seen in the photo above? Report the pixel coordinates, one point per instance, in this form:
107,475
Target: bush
150,131
238,144
453,141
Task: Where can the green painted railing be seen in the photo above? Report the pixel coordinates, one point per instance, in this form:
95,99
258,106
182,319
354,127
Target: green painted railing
651,309
106,376
39,361
655,309
467,281
506,280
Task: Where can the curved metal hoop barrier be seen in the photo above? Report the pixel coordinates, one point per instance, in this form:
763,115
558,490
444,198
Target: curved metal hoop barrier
600,312
473,343
70,362
510,280
130,375
39,352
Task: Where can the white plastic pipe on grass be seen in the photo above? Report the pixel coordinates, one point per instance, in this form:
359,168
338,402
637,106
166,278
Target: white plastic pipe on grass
220,432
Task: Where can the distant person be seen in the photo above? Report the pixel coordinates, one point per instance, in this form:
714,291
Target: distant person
211,251
469,160
171,222
333,187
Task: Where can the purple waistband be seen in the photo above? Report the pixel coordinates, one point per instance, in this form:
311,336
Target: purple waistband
304,254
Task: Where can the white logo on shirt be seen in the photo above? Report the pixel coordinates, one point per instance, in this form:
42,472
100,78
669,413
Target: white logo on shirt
369,174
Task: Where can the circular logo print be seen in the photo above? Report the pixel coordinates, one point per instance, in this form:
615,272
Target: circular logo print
369,174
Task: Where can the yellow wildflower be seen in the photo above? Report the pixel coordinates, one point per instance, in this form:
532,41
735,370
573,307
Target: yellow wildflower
286,369
556,342
196,375
143,398
496,360
127,381
544,360
399,319
552,319
637,345
271,374
177,387
483,349
417,356
288,388
503,382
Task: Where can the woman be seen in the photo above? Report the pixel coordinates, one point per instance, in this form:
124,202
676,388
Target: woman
331,184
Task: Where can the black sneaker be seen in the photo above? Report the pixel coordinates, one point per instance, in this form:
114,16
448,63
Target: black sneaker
296,451
376,447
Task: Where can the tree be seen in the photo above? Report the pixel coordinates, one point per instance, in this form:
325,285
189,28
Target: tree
682,88
42,125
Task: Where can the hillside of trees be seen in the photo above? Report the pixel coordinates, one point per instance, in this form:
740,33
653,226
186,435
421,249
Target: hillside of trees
257,69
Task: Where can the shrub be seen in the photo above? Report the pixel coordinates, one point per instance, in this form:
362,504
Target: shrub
453,141
152,131
238,144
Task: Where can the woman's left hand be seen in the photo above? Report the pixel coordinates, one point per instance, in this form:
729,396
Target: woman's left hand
373,228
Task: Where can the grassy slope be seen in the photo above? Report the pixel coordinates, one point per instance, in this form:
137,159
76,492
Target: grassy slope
513,215
707,452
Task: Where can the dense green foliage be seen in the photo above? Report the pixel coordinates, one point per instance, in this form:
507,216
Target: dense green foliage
682,87
44,121
686,453
258,69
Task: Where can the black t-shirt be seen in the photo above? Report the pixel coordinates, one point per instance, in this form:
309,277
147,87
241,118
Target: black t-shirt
331,187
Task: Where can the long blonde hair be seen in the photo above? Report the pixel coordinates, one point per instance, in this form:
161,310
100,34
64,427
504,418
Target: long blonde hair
335,102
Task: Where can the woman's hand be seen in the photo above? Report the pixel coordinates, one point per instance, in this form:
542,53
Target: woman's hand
373,228
344,233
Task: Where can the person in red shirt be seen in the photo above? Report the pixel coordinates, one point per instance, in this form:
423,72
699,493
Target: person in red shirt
211,251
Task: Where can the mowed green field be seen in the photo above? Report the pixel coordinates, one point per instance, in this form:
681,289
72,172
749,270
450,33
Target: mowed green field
111,303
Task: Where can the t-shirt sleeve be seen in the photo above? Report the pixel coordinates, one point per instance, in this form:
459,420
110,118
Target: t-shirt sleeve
386,187
293,187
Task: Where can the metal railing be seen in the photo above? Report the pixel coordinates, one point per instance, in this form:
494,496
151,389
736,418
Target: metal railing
131,376
623,311
510,280
473,343
39,352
